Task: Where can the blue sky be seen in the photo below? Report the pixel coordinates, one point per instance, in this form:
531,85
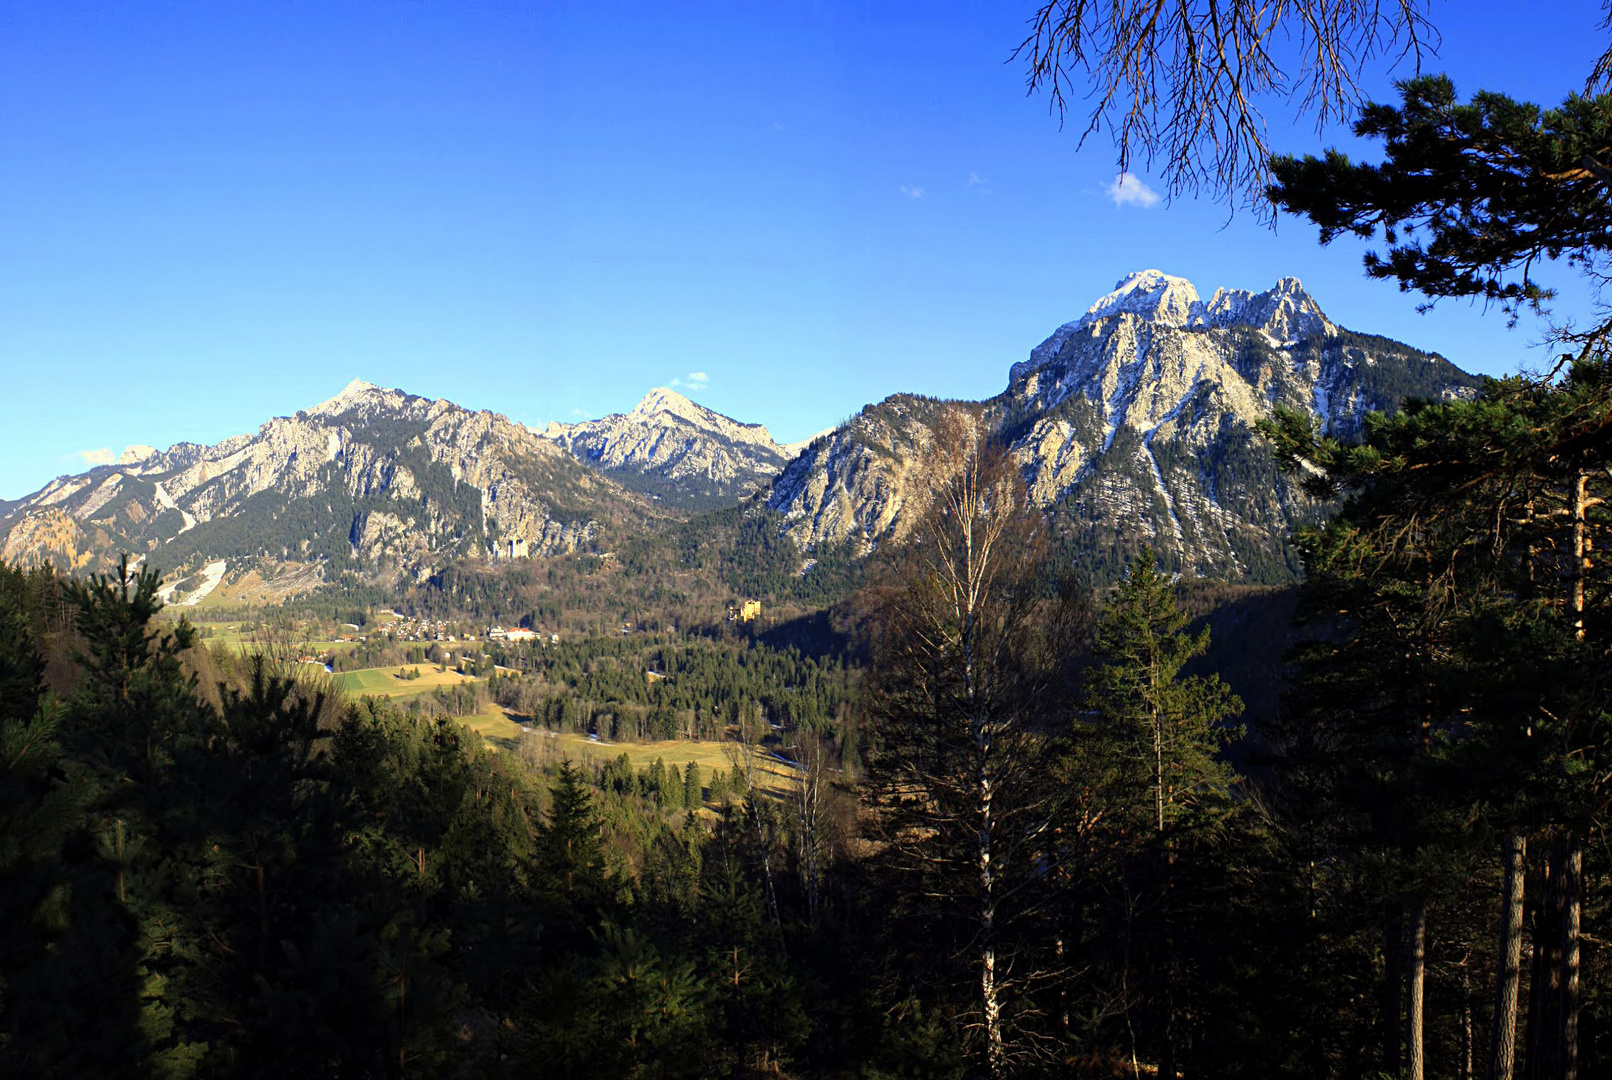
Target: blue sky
211,213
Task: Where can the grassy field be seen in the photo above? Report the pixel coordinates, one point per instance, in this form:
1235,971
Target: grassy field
771,774
230,635
495,726
502,731
383,682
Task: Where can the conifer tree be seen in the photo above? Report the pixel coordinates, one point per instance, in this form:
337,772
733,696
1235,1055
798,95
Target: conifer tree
1471,197
1168,725
671,791
1467,617
569,849
1165,731
43,807
1474,199
693,792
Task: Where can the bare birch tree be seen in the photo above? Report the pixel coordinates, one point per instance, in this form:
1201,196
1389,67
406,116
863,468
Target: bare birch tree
967,653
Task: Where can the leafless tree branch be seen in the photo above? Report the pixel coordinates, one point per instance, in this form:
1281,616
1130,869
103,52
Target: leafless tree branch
1179,84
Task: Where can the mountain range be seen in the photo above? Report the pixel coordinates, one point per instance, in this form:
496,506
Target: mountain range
1132,424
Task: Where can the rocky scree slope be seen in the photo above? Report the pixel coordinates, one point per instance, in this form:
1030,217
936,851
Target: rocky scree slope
371,480
673,449
1134,424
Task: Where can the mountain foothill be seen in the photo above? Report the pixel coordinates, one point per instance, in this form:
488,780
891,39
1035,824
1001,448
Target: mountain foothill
1133,425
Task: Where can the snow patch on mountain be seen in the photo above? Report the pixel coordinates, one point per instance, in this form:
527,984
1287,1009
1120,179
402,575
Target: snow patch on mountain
1152,295
354,395
210,576
99,497
792,450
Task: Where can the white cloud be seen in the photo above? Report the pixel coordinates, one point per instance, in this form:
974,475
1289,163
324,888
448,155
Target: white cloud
912,191
578,412
976,181
103,456
1128,189
698,379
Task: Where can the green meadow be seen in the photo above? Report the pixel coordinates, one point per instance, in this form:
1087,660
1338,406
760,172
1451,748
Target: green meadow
384,682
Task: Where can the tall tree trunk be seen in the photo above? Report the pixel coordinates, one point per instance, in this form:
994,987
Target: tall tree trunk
990,991
1166,859
1158,771
1508,958
1545,989
1392,988
1418,985
990,998
1581,562
1572,875
1167,1052
1468,1053
808,805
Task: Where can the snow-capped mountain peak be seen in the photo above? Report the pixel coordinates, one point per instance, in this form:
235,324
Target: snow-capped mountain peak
1135,423
1152,294
661,399
1286,312
354,392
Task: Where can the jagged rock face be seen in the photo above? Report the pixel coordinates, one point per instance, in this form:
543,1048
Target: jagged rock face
1134,424
371,476
676,450
854,482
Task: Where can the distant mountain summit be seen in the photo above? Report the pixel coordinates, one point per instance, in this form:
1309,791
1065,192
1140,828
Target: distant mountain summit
373,482
378,482
1134,423
674,449
1285,312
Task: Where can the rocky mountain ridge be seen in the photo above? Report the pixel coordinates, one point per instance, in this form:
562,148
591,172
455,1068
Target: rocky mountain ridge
373,479
1134,423
674,449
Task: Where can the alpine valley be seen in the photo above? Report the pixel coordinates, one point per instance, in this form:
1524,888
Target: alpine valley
1133,424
